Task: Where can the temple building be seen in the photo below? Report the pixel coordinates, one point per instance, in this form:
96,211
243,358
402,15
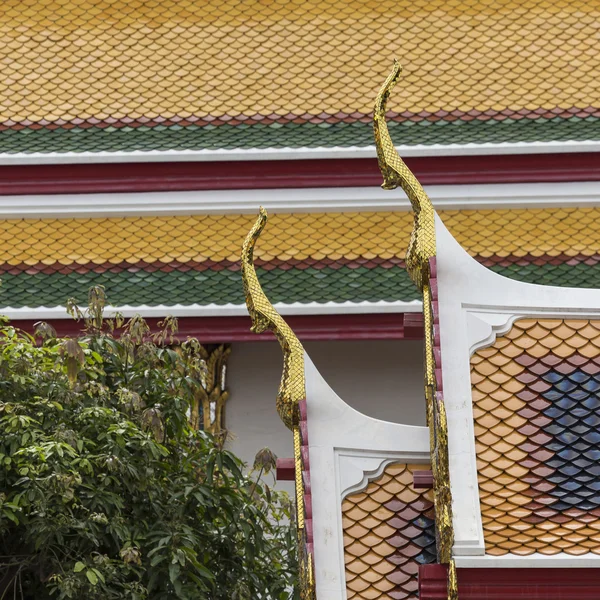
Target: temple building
139,138
497,497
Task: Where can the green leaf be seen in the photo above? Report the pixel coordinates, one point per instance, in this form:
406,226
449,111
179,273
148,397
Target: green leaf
99,575
92,577
11,515
86,474
204,572
174,571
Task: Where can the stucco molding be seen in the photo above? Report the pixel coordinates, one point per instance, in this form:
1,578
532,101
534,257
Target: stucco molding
357,468
295,200
485,327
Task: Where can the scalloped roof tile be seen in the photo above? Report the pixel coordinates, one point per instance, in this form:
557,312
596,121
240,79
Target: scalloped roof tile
536,413
309,257
128,75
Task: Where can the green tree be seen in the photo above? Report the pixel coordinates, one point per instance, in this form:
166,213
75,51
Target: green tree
107,492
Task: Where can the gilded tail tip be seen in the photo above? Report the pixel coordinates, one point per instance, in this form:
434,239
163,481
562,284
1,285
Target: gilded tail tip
396,70
388,84
263,217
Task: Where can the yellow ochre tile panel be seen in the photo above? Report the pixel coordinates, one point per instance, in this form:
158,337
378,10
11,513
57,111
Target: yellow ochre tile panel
199,238
132,59
536,407
388,531
318,236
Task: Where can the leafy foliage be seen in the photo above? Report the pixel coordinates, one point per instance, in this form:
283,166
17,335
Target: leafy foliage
107,492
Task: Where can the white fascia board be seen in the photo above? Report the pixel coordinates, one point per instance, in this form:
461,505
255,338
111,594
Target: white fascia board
531,561
297,200
223,310
38,158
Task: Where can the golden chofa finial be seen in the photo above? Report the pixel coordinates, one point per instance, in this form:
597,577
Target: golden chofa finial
421,250
264,316
250,281
383,142
395,173
292,389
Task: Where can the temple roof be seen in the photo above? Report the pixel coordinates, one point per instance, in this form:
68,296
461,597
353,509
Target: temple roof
188,74
318,257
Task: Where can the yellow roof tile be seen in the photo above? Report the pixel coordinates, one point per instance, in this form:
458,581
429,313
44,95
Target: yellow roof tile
318,236
77,60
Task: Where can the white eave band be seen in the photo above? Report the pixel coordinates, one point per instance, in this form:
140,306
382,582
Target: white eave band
297,200
38,158
223,310
531,561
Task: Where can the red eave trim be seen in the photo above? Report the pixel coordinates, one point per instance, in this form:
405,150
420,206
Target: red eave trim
222,175
286,469
511,584
210,330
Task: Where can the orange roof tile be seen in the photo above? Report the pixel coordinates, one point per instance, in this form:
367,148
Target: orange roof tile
536,412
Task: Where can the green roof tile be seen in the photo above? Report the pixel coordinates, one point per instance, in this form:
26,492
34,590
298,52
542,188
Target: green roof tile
293,135
281,285
208,287
577,276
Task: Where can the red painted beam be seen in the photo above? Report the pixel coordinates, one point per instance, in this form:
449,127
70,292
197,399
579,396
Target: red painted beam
413,326
222,175
382,326
422,480
511,584
433,582
286,469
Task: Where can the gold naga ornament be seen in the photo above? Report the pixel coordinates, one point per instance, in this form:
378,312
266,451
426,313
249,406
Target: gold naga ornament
421,250
292,389
210,371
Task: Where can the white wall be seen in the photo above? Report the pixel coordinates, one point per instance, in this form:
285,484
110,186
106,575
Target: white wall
383,379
